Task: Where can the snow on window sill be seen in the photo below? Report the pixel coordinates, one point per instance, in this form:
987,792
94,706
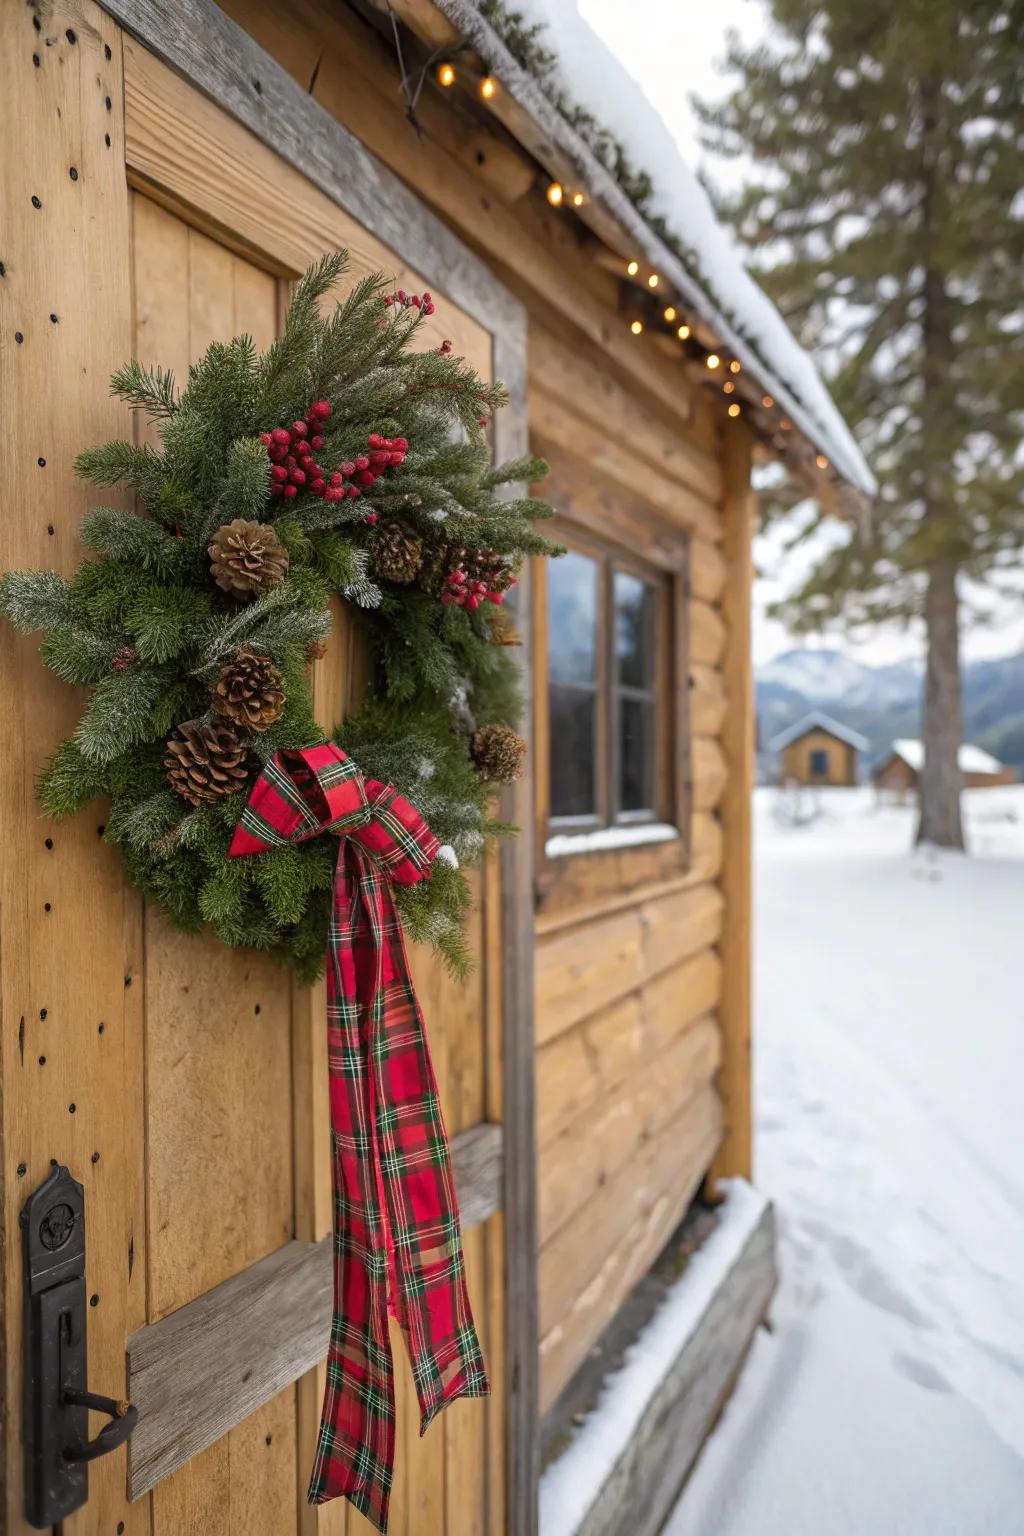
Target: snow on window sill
607,839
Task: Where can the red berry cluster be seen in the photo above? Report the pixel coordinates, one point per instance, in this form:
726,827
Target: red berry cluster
292,453
469,592
410,301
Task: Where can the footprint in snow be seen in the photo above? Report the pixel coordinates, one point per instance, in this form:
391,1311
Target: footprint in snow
922,1372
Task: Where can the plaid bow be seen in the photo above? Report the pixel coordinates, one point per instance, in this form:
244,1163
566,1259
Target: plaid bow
397,1243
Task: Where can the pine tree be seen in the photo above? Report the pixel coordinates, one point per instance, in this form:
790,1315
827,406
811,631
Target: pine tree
886,220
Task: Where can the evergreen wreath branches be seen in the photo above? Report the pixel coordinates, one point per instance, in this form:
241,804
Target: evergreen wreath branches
345,460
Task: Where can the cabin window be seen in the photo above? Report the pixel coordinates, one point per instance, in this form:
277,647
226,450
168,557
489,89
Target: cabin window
607,687
819,763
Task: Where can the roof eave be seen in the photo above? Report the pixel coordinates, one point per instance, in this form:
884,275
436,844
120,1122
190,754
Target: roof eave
533,121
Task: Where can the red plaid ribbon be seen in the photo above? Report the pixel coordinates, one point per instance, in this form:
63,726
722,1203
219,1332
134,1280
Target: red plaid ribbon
397,1242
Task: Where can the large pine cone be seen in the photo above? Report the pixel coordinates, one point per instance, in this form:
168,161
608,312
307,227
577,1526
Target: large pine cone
498,753
434,568
247,559
206,761
396,553
249,690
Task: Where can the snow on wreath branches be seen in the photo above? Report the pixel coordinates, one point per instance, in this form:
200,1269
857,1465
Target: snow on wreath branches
341,461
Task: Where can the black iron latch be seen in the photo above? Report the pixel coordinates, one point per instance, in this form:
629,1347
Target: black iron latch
57,1402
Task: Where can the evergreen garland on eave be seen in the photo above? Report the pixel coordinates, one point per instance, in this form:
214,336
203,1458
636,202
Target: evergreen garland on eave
217,595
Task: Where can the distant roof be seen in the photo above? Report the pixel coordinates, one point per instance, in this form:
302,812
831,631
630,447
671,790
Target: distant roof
971,759
817,720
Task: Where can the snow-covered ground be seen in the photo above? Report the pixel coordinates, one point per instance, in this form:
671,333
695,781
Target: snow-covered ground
888,1400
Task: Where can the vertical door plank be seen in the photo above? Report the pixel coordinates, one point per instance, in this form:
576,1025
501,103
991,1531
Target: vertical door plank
64,1089
218,1069
160,295
244,1485
211,297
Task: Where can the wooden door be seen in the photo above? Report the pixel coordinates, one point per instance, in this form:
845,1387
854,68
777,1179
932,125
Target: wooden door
183,1083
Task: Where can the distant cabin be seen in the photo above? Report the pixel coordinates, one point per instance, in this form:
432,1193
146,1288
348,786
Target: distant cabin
898,773
818,750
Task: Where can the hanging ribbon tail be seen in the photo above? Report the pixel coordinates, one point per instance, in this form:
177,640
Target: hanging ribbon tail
397,1243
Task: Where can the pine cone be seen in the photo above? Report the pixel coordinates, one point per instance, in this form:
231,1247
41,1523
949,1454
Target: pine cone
249,690
247,559
498,753
497,572
206,761
396,553
434,568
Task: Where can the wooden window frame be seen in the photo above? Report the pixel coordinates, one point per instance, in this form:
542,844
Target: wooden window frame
568,877
610,561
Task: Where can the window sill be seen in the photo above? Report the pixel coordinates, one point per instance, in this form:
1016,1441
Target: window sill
609,839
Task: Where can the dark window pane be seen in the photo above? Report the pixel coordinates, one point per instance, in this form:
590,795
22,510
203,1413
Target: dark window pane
636,755
572,619
573,716
634,631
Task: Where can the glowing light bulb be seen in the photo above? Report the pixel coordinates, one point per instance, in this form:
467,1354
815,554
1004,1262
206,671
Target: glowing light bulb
555,194
446,74
821,461
488,87
653,280
578,199
633,268
713,359
670,314
786,424
767,402
735,367
734,409
637,327
728,387
683,332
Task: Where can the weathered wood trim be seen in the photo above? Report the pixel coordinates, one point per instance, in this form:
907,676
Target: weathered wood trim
643,1482
200,1371
735,1154
522,1308
196,38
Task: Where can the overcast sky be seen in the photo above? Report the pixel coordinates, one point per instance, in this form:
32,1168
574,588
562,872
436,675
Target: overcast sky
678,49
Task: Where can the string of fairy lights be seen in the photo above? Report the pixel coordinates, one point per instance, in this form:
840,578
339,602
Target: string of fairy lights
722,372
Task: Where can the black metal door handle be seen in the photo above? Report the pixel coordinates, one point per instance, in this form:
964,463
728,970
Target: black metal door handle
57,1399
123,1419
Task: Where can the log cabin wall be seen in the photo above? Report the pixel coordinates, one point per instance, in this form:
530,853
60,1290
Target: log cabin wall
642,982
628,975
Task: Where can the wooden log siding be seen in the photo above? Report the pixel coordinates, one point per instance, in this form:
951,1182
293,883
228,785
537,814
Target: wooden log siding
628,979
201,1370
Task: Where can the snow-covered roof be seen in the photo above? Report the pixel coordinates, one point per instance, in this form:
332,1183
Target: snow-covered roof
817,720
714,280
971,759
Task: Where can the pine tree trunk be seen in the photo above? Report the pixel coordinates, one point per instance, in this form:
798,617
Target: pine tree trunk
942,715
942,712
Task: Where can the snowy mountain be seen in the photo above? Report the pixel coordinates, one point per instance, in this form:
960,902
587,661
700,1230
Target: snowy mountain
819,675
884,702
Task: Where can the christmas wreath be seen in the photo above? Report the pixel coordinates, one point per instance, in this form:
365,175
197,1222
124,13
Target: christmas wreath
343,460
